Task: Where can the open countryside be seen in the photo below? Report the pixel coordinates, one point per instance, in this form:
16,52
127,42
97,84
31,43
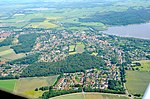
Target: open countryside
137,81
7,85
90,96
75,49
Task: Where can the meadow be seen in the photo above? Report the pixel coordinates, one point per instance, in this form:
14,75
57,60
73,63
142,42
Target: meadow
7,85
26,86
90,96
137,81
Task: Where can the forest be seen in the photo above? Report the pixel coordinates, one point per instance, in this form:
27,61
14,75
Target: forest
27,41
73,63
131,16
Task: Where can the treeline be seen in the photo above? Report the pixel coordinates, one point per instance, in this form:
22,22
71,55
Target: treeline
73,63
131,16
30,59
103,91
8,77
27,41
53,93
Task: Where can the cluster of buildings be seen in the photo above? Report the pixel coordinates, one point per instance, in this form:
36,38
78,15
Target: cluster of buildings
93,78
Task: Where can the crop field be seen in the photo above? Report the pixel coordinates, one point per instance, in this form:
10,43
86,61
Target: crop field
7,85
90,96
80,47
26,86
137,81
44,24
7,54
145,65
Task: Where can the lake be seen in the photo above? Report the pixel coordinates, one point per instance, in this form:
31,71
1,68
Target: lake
135,30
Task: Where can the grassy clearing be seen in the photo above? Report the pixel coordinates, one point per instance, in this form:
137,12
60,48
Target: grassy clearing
8,54
4,48
26,86
71,48
95,54
80,47
7,85
137,81
145,65
90,96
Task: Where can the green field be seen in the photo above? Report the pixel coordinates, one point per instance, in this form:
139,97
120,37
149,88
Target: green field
90,96
137,81
7,85
145,65
80,47
8,54
26,86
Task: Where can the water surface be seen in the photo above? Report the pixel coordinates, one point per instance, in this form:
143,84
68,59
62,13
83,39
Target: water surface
135,30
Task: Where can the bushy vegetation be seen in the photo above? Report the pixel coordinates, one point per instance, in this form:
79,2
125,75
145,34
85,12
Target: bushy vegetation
131,16
73,63
26,41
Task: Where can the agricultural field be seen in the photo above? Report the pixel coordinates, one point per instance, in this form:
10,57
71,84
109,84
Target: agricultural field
90,96
137,81
46,24
8,54
145,65
7,85
26,86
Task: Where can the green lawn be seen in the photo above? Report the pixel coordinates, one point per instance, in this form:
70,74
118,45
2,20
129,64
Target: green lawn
7,85
137,81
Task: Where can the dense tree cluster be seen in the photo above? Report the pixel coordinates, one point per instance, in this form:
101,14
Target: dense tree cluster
7,41
131,16
26,43
115,85
73,63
